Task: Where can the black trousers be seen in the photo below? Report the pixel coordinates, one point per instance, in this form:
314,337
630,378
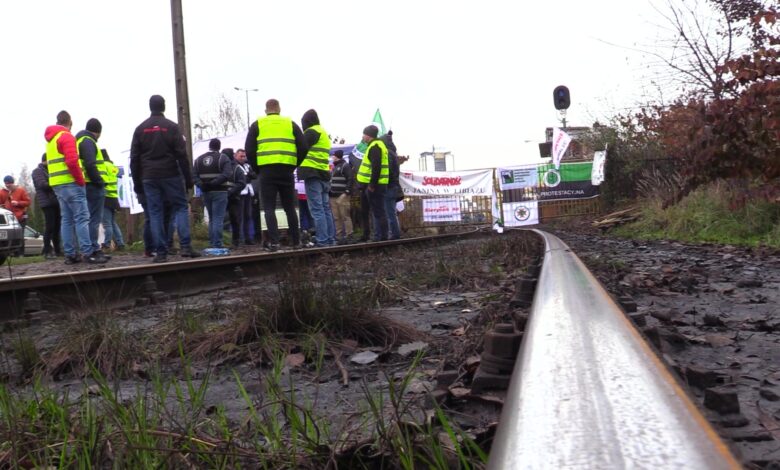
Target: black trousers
270,186
51,232
372,206
235,209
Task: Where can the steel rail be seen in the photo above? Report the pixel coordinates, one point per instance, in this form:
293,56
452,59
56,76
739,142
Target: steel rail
111,286
588,392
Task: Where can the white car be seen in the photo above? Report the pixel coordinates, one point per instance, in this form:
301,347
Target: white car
11,234
33,242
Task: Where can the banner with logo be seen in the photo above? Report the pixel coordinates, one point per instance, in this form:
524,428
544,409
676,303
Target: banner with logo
126,195
441,210
518,177
570,181
461,183
517,214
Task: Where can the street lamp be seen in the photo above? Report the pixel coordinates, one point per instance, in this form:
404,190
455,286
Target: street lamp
246,91
200,128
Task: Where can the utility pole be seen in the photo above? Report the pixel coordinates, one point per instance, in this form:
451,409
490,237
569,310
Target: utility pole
246,91
180,70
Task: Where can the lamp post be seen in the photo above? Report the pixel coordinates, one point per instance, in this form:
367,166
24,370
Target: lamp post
200,128
246,91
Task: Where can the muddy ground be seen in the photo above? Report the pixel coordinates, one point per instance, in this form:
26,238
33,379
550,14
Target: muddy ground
712,313
444,296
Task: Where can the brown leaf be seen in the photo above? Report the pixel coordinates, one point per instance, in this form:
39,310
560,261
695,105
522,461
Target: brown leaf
460,392
294,360
717,341
458,331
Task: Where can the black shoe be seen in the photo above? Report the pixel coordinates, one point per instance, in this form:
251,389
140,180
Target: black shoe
161,258
100,253
271,247
189,253
96,258
49,256
73,259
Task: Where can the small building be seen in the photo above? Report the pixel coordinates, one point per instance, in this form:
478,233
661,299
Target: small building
437,160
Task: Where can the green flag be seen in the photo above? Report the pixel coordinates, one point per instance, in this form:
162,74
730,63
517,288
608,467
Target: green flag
378,122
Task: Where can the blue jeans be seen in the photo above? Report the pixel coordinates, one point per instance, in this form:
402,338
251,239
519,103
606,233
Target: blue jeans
168,225
75,218
216,203
111,229
96,197
392,215
319,207
173,191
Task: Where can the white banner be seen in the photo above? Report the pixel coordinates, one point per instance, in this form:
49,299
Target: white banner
518,177
597,173
446,183
441,210
560,143
127,195
517,214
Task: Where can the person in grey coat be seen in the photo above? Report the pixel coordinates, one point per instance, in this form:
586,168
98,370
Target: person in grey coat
47,201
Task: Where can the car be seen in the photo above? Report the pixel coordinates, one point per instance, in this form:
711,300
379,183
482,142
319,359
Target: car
33,242
11,234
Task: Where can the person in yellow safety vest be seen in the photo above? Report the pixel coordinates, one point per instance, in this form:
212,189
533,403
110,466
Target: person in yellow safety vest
372,178
67,181
111,231
274,147
315,173
94,173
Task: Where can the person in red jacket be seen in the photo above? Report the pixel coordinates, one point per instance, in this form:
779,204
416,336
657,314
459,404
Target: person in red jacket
67,181
15,199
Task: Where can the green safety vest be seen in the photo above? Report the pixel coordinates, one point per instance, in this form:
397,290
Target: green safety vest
319,154
275,141
99,162
364,172
59,173
111,179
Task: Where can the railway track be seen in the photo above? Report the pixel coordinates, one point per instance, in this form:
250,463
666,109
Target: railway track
586,392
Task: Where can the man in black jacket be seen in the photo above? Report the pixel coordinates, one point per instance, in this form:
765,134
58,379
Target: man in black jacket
47,201
212,174
340,192
393,187
161,172
94,175
282,148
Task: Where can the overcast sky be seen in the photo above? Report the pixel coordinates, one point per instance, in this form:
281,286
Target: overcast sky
475,78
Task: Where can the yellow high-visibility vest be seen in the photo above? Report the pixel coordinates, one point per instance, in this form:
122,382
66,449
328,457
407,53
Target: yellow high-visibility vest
364,172
319,153
111,178
55,161
99,162
276,141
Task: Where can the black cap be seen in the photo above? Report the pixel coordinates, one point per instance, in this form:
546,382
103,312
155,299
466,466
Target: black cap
338,153
229,152
215,144
8,179
94,126
156,104
371,131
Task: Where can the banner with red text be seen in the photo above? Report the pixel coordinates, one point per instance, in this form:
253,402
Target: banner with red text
460,183
441,209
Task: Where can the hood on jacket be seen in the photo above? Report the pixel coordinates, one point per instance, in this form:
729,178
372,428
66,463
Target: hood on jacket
87,134
309,119
51,131
388,140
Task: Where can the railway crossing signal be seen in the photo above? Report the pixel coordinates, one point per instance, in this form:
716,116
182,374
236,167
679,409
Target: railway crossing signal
561,97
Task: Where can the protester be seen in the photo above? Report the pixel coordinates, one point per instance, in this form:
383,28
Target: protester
373,176
15,198
67,180
340,193
315,172
161,171
94,173
393,187
274,147
111,231
47,201
212,174
236,184
244,202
